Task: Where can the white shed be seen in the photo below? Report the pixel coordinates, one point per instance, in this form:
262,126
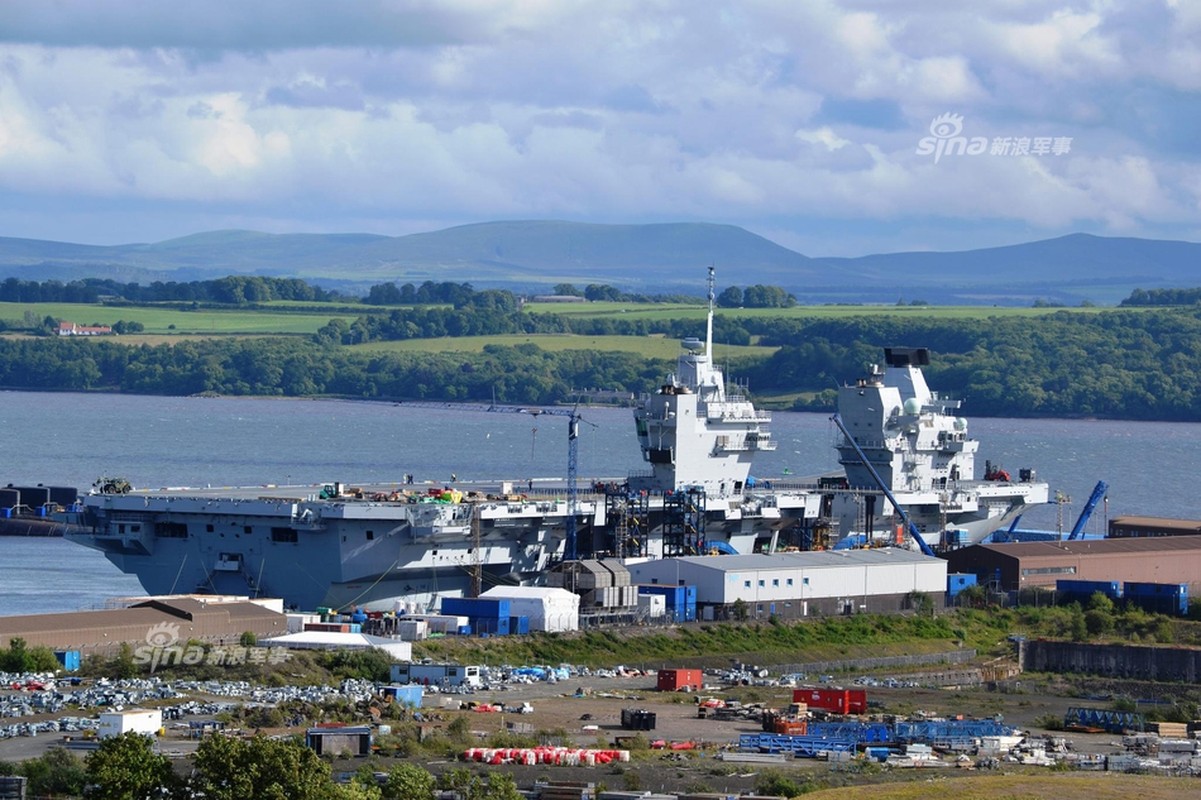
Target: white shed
137,720
549,609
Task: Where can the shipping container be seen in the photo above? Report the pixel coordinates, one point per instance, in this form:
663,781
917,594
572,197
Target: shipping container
519,626
676,680
1158,598
328,627
477,606
412,630
490,626
1070,590
70,659
653,605
958,581
410,695
672,595
637,719
836,701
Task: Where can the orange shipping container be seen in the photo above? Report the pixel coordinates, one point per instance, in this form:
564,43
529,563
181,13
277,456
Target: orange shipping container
675,680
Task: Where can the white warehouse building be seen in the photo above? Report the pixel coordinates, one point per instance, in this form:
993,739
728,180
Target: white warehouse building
802,584
548,608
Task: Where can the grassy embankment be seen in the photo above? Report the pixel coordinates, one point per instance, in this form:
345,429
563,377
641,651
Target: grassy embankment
1025,786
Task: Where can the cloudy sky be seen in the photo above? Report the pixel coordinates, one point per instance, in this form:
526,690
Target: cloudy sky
834,127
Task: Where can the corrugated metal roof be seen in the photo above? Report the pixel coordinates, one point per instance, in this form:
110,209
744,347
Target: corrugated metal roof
816,559
147,614
1167,523
1147,544
538,592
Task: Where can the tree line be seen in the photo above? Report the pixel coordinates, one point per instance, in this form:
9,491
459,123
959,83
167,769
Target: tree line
242,290
757,296
236,290
1118,365
1163,297
127,767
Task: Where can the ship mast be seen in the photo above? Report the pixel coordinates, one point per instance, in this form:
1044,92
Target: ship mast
709,328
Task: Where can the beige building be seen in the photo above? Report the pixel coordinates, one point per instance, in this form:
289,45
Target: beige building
154,621
1023,565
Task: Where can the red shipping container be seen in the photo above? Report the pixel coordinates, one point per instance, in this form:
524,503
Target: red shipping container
836,701
674,680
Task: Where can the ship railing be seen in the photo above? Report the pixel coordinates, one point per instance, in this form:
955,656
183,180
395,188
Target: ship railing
306,520
730,411
738,444
866,444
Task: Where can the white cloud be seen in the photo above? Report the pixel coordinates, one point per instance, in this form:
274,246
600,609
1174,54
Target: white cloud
398,113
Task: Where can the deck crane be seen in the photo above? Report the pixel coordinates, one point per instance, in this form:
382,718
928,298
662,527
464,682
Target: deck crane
573,435
1098,493
909,526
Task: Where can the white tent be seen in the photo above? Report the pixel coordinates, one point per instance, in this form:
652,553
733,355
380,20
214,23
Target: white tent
549,609
330,640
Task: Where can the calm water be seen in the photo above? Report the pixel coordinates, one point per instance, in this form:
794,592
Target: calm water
72,439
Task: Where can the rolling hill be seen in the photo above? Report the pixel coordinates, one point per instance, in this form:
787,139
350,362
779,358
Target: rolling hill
661,258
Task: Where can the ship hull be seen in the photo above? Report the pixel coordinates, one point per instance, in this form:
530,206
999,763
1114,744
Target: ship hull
341,552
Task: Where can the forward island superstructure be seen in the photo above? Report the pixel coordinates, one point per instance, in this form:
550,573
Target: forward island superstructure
410,546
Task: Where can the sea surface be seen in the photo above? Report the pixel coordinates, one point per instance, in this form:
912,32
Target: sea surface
63,439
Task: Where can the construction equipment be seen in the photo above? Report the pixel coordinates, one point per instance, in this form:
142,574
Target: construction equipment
573,435
1098,494
104,485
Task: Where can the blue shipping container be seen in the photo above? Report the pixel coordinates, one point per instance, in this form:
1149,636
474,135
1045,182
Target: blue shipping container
475,607
409,695
490,626
519,625
1086,589
958,581
70,659
1160,598
674,596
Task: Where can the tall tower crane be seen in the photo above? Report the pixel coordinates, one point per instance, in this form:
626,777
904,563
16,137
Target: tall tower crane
573,435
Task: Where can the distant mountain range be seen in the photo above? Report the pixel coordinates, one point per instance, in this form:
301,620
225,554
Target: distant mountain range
654,259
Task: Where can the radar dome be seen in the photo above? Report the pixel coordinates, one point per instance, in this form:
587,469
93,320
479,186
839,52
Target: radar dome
960,424
913,405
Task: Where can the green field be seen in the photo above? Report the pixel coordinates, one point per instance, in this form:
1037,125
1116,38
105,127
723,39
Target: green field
219,322
296,318
645,346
